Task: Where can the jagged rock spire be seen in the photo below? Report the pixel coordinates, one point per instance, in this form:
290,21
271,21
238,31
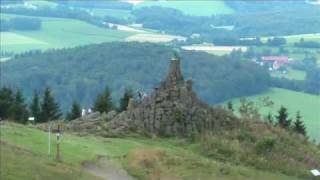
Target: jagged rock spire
174,75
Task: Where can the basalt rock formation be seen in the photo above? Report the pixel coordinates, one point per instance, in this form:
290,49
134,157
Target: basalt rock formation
172,109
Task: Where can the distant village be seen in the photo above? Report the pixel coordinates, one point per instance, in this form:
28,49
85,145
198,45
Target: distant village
274,63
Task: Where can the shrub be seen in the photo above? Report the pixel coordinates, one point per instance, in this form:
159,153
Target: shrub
266,144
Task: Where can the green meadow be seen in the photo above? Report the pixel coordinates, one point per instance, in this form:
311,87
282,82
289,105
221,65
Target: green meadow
24,156
291,74
58,33
307,104
192,7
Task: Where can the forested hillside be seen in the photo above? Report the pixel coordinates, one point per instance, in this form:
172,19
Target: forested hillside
81,73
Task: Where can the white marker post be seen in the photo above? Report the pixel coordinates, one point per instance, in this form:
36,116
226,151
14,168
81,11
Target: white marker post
31,120
315,172
49,140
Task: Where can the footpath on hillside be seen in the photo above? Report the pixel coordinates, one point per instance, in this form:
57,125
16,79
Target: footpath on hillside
106,170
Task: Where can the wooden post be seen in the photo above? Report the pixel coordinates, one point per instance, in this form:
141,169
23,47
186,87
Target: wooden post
58,144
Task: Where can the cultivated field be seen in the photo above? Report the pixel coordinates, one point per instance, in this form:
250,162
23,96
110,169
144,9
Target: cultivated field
307,104
58,33
218,50
156,38
192,7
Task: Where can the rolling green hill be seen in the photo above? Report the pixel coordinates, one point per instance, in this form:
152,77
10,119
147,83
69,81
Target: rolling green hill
307,104
58,33
192,7
24,155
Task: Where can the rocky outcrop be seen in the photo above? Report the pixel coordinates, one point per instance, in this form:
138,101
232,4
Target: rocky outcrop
172,109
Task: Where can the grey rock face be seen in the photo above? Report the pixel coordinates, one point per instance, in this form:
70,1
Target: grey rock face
172,109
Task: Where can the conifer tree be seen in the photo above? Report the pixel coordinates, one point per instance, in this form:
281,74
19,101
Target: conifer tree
103,102
34,107
282,118
6,102
49,108
18,110
75,111
298,125
230,106
124,101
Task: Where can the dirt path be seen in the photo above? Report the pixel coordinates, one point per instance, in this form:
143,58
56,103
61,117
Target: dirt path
106,170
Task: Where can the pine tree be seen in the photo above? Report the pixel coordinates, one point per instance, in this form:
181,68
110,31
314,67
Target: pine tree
75,111
282,118
6,102
124,101
299,126
103,102
18,110
230,106
49,108
35,107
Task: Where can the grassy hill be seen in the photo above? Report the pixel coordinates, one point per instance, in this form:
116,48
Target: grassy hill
24,155
307,104
58,33
192,7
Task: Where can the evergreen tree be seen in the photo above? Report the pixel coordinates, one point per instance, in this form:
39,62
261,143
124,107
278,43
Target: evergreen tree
35,107
230,106
124,101
103,102
75,111
49,108
18,110
299,126
6,102
282,118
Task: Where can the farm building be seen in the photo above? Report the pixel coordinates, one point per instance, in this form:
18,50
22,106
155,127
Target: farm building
275,62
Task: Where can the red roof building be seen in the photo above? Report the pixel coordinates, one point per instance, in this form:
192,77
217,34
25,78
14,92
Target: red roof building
278,59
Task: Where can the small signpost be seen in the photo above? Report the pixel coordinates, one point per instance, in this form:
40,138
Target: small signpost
31,120
58,134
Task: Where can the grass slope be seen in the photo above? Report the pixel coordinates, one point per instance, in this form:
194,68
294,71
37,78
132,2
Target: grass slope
307,104
24,155
58,33
192,7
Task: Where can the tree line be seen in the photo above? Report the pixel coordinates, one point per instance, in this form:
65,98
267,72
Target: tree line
230,41
21,23
273,22
45,108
